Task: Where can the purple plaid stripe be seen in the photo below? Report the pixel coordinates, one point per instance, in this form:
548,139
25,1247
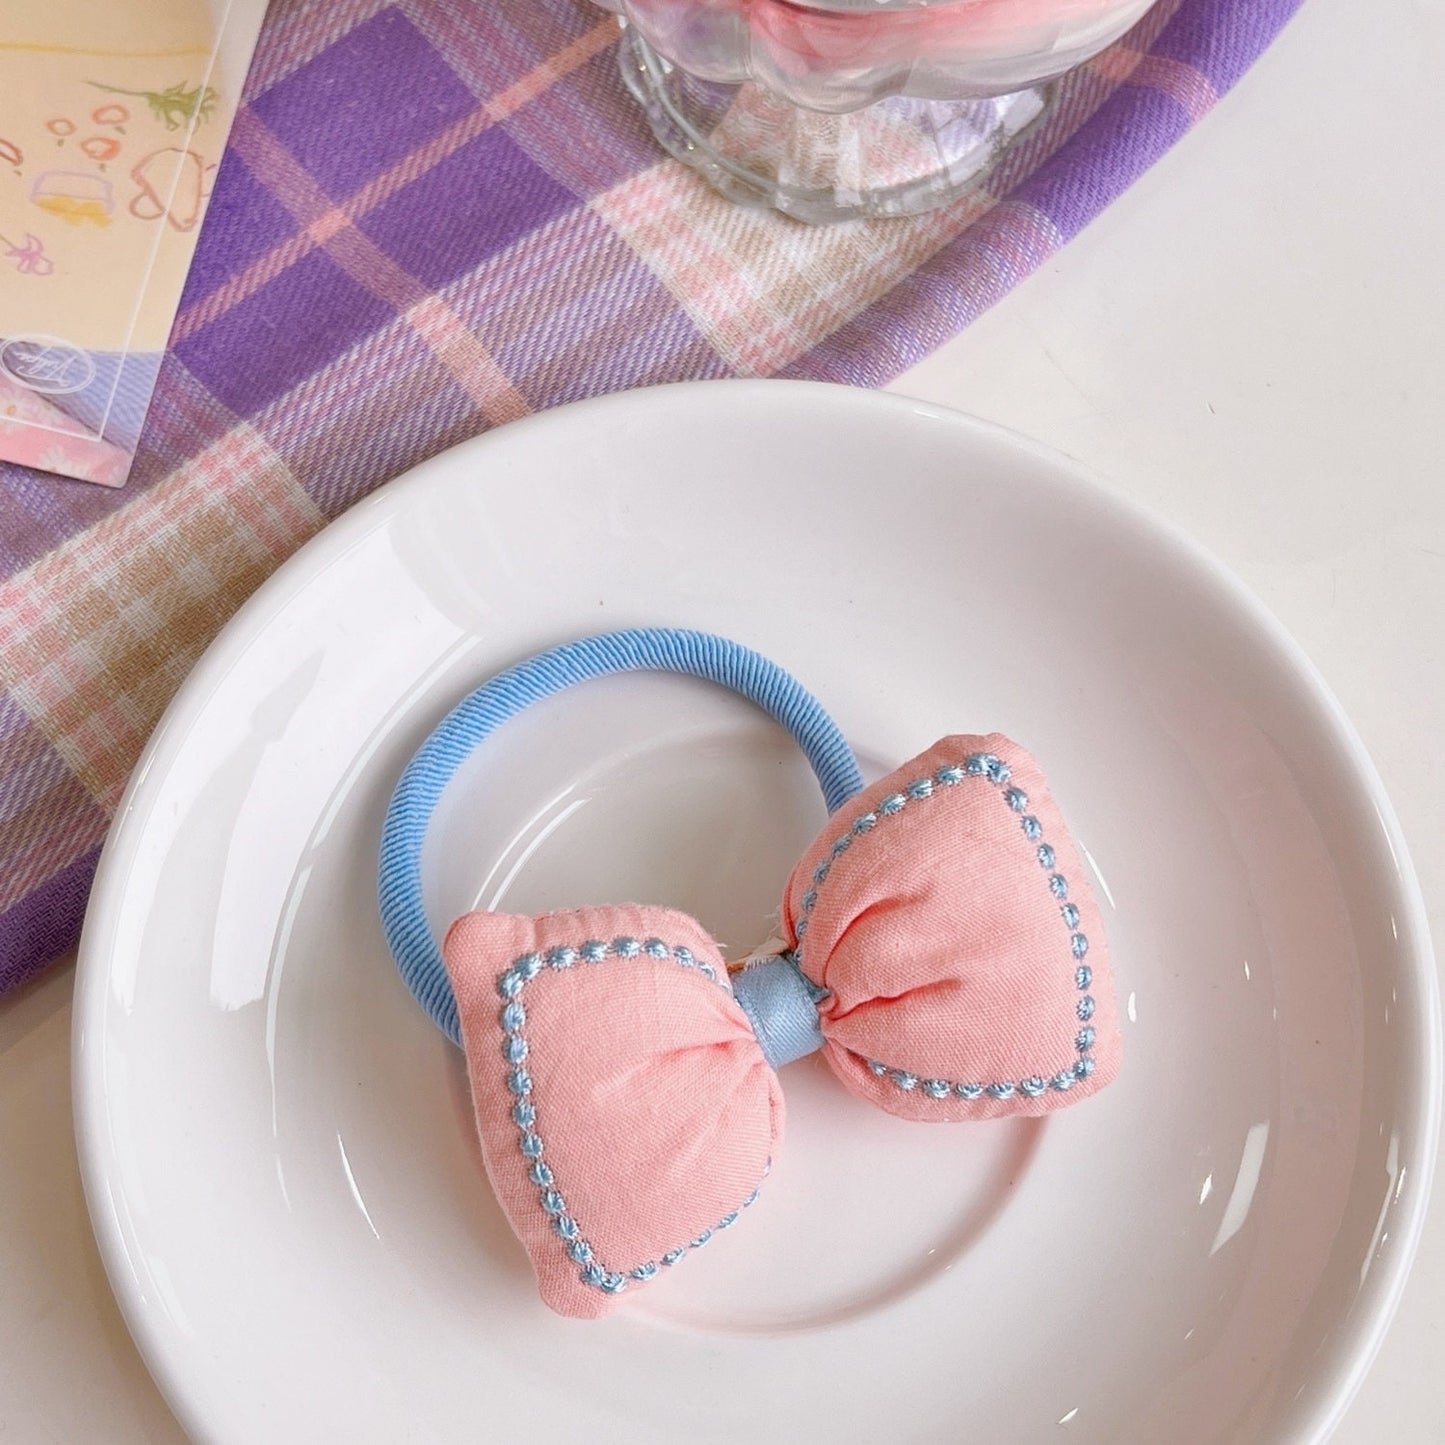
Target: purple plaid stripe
37,513
482,198
387,90
48,827
410,398
243,224
46,922
255,352
1223,38
432,218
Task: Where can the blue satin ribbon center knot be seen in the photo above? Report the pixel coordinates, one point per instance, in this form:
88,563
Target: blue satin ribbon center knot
782,1005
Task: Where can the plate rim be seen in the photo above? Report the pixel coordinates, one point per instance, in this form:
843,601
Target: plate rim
1388,1276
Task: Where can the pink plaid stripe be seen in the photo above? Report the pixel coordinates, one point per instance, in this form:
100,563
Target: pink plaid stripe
323,220
764,296
330,226
1191,89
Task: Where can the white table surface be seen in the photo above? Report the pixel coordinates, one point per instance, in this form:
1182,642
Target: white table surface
1252,342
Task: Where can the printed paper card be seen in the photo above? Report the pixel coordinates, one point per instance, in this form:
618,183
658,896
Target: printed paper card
113,117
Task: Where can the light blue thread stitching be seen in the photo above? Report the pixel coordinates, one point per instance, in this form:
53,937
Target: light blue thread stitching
996,771
513,1017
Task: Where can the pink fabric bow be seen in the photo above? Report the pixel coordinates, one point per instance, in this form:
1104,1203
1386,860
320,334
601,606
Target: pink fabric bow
625,1107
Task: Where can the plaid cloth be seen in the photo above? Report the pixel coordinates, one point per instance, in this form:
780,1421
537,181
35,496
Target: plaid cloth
435,216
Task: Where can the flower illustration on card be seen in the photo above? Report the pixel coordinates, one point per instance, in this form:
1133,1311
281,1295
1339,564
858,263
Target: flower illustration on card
28,257
114,115
176,106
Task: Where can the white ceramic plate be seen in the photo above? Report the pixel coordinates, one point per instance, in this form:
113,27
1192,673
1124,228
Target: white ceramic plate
276,1143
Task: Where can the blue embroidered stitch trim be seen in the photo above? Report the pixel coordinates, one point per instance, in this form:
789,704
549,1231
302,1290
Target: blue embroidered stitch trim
513,1018
995,771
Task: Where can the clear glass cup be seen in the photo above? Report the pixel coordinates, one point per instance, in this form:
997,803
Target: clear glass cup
832,109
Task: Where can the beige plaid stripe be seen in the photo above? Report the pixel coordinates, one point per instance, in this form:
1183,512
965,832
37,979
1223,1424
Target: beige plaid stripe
760,294
96,636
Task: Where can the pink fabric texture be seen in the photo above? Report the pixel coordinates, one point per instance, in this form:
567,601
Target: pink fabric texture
948,955
657,1112
625,1110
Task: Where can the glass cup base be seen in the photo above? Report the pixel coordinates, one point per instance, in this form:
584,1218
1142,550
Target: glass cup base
897,157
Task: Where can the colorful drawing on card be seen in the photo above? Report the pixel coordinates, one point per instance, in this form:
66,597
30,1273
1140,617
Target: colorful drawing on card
100,148
76,197
113,114
176,105
28,256
170,183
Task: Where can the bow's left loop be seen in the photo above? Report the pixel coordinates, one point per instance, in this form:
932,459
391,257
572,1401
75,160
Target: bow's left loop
625,1109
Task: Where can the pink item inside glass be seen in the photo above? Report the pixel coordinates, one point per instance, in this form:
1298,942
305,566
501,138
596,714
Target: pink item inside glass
868,48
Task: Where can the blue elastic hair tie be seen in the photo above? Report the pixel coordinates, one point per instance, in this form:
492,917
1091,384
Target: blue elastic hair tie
654,649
